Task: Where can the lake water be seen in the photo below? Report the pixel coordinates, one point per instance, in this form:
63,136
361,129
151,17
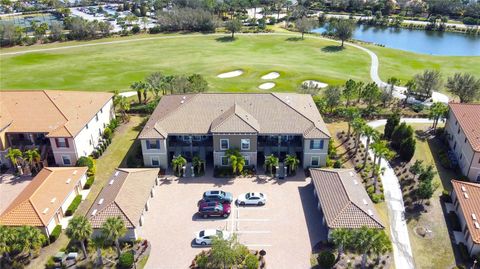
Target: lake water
419,41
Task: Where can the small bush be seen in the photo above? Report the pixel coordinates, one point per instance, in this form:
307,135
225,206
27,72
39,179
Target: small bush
89,162
337,164
371,190
251,262
126,260
107,133
74,205
376,198
326,259
89,183
55,233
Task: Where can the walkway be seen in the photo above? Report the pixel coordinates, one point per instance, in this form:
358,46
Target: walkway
402,250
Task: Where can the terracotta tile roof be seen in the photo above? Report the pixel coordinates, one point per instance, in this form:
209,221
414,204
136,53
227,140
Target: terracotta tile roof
468,196
468,116
58,113
344,201
39,201
265,113
125,195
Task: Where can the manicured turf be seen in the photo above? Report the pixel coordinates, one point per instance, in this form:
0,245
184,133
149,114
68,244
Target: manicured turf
116,66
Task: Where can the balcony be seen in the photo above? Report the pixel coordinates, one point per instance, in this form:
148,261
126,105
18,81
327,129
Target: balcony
178,142
285,141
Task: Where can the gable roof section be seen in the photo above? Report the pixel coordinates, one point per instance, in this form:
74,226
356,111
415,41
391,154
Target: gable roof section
39,201
125,196
344,201
264,113
468,117
57,113
470,206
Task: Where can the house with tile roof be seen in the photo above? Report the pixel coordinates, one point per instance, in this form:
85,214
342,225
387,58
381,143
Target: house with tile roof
466,201
45,200
462,129
62,125
257,124
343,200
127,196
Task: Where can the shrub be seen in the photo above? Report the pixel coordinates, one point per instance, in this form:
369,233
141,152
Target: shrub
126,260
89,162
376,198
74,205
135,29
251,262
326,259
107,133
371,190
202,260
55,233
89,183
337,164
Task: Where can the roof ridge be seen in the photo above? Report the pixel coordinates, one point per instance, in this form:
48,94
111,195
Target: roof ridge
59,110
36,211
235,106
123,212
473,184
341,211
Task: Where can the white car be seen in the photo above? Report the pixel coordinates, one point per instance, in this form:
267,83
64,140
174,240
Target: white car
252,198
205,237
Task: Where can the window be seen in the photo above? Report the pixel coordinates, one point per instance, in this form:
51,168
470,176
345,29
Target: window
224,160
224,144
197,138
66,160
465,140
458,130
315,161
316,144
247,160
96,117
455,145
186,138
62,142
245,144
101,110
155,161
86,126
153,144
478,177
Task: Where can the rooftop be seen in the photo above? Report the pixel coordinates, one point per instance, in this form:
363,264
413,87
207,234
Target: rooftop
344,201
39,201
468,118
58,113
263,113
125,196
468,196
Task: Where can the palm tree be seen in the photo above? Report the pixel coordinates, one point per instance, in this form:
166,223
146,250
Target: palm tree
123,106
350,114
358,125
113,229
341,237
139,87
7,239
438,111
292,162
197,162
99,242
237,161
270,162
177,164
370,134
368,240
14,155
380,150
30,239
32,157
79,229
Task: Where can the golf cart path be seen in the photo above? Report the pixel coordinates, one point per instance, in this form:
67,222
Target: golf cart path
398,92
402,250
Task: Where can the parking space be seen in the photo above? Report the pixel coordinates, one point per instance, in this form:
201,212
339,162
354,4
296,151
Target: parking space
288,223
10,187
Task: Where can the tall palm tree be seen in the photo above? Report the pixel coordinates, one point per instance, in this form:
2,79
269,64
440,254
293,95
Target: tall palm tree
32,157
79,229
380,150
177,163
368,240
341,237
270,162
358,125
7,239
123,106
292,161
139,87
370,134
99,242
30,239
350,114
198,163
15,156
113,229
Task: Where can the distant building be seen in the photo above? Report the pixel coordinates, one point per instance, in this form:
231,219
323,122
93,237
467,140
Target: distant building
127,196
463,133
466,200
62,125
45,200
342,199
257,124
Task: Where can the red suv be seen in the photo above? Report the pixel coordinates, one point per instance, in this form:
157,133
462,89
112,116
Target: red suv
214,209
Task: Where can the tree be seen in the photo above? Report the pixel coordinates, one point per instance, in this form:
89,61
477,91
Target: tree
392,122
370,134
56,30
197,83
416,168
270,162
7,238
113,229
380,150
79,229
15,156
305,25
465,86
407,148
370,94
30,239
99,242
154,82
411,89
343,29
332,97
237,161
199,163
123,106
139,87
425,190
428,81
292,162
438,111
342,238
223,252
88,162
401,132
233,26
358,125
350,113
32,157
177,164
349,91
367,240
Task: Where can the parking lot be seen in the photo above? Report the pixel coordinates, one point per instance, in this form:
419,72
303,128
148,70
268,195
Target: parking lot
287,227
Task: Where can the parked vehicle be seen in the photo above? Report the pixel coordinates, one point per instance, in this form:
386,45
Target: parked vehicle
214,209
217,196
205,237
252,198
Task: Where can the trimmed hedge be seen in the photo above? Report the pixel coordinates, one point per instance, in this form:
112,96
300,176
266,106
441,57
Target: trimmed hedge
74,205
55,233
89,183
126,260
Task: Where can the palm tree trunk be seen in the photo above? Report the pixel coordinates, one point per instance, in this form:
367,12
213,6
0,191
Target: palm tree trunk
84,250
364,260
117,245
348,132
366,152
99,257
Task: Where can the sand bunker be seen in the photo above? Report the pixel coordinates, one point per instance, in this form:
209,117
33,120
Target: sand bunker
231,74
267,86
315,83
271,75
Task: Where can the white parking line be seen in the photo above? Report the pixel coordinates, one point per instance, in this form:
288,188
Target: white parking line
253,232
252,208
257,245
252,220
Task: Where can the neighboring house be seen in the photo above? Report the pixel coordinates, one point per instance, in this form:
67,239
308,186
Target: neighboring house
342,199
463,133
62,125
466,200
126,195
257,124
45,200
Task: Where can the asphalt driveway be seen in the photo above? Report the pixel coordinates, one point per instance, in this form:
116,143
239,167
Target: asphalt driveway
288,224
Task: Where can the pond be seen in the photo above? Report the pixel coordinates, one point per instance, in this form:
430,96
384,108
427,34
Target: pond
419,41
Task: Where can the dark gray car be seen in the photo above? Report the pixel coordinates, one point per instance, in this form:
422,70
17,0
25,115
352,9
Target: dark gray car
217,196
